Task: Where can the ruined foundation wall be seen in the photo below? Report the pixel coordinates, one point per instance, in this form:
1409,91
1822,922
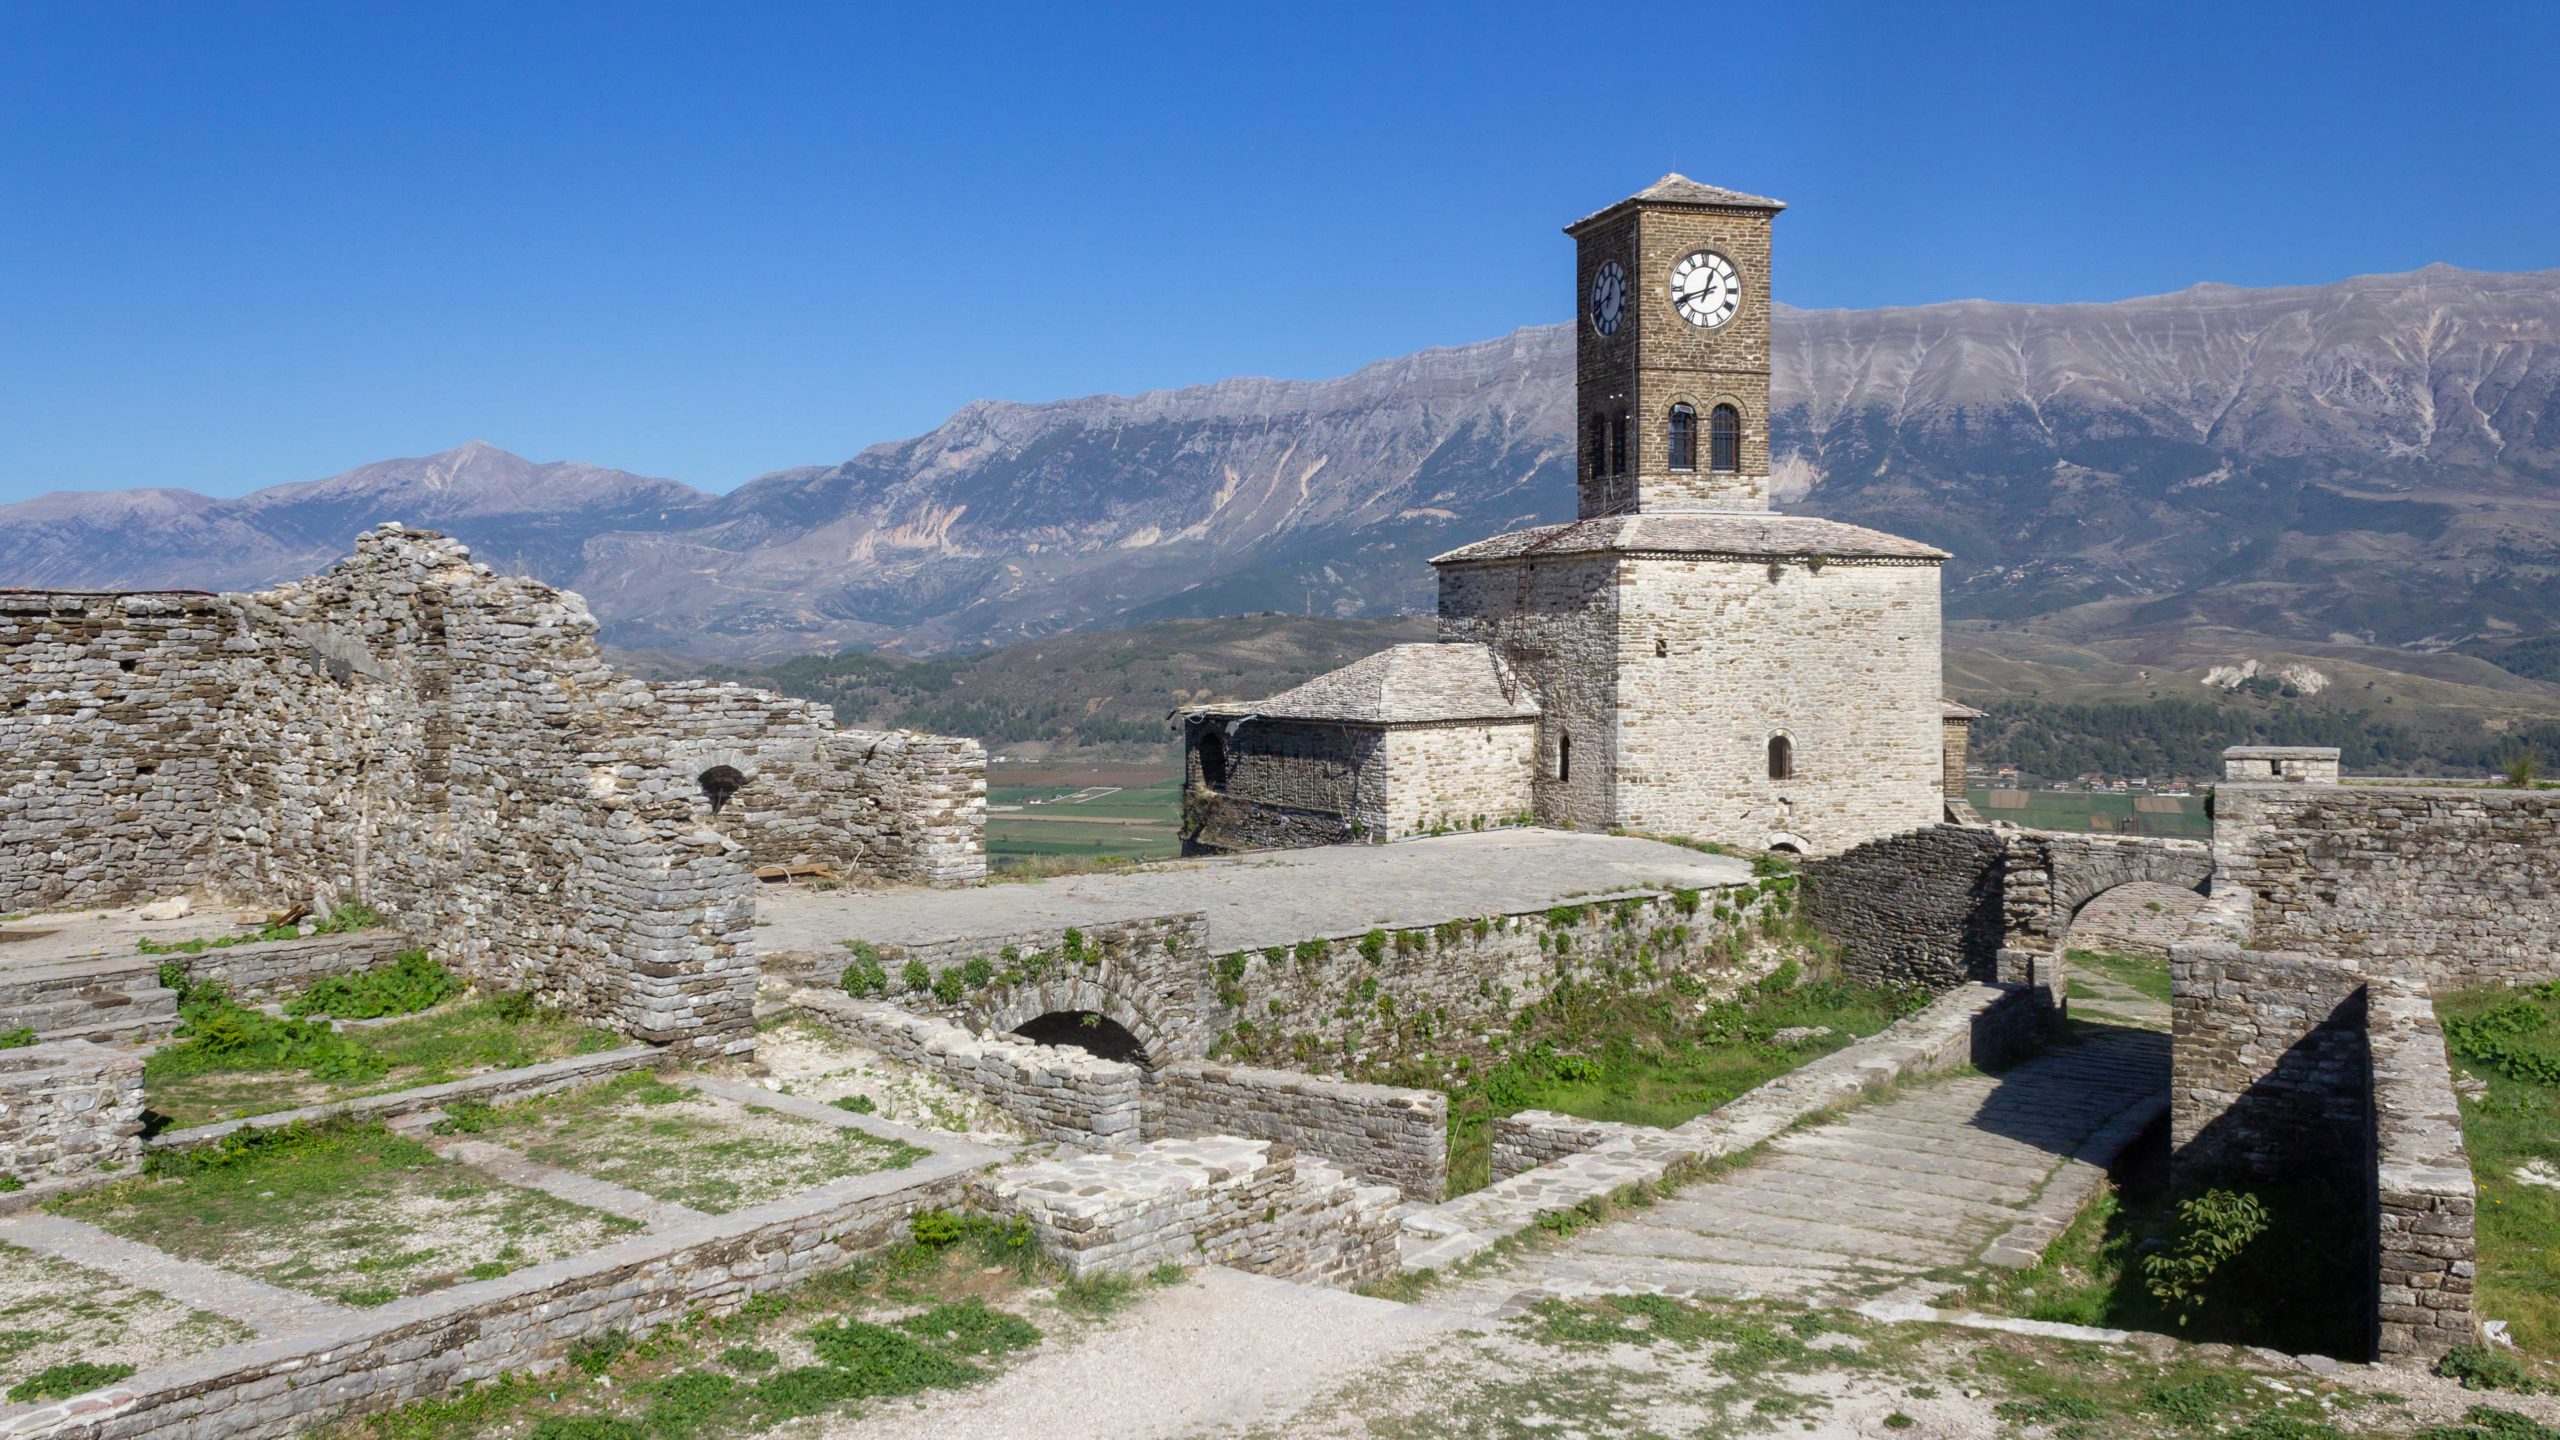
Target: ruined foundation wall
2461,885
67,1109
1379,1134
1289,784
2425,1205
1057,1093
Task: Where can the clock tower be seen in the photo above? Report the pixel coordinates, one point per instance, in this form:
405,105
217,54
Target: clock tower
1671,369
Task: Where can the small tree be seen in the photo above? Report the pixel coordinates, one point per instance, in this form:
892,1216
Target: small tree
2520,770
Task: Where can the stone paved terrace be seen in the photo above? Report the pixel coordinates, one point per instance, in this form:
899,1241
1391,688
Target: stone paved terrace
1949,1174
1273,898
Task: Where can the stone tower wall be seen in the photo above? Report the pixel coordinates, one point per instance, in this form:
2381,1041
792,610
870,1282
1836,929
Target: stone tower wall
1716,656
1554,622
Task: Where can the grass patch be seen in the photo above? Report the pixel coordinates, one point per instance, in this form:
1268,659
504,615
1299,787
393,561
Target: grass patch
342,920
61,1382
916,1318
682,1145
2511,1041
2147,978
231,1061
1603,1053
409,984
352,1213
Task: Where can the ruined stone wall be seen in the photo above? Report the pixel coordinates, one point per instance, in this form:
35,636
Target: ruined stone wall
1057,1093
1249,1204
1289,784
1920,908
409,730
1379,1134
1717,656
2461,885
67,1109
1955,741
1149,975
895,804
1553,620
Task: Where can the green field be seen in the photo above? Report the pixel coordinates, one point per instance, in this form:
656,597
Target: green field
1052,815
2105,814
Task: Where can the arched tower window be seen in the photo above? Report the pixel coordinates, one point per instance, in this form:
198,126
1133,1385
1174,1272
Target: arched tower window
1724,440
1564,757
1213,759
1683,436
1599,446
719,783
1782,758
1618,444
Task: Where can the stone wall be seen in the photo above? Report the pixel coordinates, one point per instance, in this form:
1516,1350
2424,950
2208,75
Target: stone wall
2143,919
1380,1134
270,969
1920,908
68,1108
1057,1093
416,732
1150,976
894,804
2424,1202
1293,783
111,998
1955,740
1532,1138
2268,1068
2460,885
2296,764
1250,1204
1554,622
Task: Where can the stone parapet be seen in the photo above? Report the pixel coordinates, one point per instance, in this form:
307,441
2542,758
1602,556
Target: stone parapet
267,969
2294,764
1219,1200
1382,1134
68,1109
1919,908
2426,1206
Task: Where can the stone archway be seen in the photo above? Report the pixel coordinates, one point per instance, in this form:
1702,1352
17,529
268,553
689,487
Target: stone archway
2048,877
1089,1031
1036,1004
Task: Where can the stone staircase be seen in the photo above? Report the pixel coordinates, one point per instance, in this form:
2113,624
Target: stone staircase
1883,1202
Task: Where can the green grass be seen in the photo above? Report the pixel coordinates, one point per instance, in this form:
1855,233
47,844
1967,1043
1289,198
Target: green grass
2508,1039
2147,978
352,1213
258,1069
1602,1053
1048,835
681,1145
409,984
2089,810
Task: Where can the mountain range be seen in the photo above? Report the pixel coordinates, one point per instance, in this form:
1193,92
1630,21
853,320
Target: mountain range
2373,463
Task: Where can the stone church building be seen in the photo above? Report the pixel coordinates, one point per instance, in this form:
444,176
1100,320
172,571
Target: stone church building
1679,660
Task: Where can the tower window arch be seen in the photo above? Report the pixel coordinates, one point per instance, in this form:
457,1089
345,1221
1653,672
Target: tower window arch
1724,440
1682,436
1618,443
1599,446
719,783
1564,756
1782,758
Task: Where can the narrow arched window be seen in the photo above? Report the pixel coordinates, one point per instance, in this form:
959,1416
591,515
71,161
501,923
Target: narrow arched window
1213,759
1782,758
1599,445
1564,757
1683,436
1618,444
1724,440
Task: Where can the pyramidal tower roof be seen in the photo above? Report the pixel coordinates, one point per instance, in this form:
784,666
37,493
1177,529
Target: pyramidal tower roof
1678,189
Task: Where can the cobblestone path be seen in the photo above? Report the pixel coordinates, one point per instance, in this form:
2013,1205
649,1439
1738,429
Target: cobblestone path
1884,1202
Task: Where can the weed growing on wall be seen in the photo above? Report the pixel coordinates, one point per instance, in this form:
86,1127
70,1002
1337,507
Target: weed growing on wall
18,1039
340,921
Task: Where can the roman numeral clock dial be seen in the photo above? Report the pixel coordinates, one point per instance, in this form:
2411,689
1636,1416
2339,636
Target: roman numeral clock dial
1705,289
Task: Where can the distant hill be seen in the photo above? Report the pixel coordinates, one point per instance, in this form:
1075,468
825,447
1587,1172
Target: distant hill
2373,463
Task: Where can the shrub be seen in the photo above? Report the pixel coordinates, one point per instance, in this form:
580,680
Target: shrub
950,985
1373,947
914,976
2520,770
864,978
410,983
2479,1367
2213,1228
937,1229
980,972
18,1039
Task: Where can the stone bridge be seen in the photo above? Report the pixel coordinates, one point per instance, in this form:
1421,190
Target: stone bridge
2048,877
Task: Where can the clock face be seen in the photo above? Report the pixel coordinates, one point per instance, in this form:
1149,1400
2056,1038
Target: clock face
1608,297
1705,289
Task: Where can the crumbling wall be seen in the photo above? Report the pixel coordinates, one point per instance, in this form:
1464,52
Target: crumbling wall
890,803
67,1109
1380,1134
1058,1093
2425,1205
448,745
2459,884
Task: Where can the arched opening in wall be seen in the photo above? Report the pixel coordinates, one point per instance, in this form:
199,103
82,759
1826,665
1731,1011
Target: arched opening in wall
1213,759
1682,437
2116,948
1785,845
719,783
1782,758
1599,446
1724,440
1564,757
1101,1035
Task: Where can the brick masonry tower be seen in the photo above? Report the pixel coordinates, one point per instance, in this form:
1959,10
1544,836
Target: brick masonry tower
1671,368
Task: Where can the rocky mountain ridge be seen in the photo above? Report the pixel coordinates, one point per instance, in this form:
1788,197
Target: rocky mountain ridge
2373,462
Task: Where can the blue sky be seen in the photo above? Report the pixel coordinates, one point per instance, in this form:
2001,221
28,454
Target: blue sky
242,244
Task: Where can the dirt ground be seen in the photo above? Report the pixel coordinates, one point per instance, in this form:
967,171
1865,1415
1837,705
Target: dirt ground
53,1312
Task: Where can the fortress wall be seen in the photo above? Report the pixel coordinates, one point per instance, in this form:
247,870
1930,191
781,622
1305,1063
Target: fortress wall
895,804
1919,908
2461,885
1379,1134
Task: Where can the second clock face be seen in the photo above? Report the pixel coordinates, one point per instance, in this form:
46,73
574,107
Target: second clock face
1705,288
1608,297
